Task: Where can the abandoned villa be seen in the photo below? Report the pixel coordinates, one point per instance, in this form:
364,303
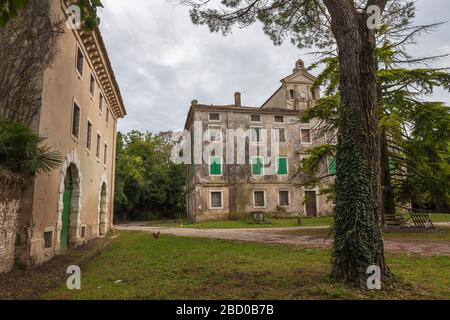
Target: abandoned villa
221,190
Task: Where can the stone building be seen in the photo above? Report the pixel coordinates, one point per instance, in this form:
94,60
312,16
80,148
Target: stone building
222,187
81,105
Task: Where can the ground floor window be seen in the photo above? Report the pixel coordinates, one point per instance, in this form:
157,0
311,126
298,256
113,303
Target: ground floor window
259,199
283,198
216,200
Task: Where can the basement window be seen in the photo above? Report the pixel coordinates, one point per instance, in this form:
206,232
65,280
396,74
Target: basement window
216,200
48,239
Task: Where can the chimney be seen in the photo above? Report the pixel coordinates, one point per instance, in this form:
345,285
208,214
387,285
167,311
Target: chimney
237,100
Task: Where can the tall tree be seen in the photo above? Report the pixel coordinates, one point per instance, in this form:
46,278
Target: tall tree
327,23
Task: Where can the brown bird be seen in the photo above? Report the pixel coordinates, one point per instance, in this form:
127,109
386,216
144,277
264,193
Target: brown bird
156,235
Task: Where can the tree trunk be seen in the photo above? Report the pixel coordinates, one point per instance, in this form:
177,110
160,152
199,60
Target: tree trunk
358,240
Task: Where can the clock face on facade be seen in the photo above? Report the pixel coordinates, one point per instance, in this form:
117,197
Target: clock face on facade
303,94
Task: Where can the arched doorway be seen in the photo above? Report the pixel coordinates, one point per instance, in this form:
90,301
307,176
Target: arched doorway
69,214
102,211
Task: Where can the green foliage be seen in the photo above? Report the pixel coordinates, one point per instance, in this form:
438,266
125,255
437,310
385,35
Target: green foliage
22,152
418,131
148,184
9,9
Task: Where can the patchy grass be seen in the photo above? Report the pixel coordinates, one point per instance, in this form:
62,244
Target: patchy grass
438,234
440,217
271,223
136,266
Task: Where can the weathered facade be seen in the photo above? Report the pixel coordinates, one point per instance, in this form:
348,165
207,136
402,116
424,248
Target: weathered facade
221,187
81,104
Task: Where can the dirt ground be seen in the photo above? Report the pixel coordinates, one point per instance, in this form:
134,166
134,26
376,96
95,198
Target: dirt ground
284,236
33,283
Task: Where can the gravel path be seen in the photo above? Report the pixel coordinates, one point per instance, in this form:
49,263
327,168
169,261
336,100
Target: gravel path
283,236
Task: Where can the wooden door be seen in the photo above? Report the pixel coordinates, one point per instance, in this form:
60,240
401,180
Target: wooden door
311,203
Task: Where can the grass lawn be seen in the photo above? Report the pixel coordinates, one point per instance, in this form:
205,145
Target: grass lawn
440,217
438,234
271,223
136,266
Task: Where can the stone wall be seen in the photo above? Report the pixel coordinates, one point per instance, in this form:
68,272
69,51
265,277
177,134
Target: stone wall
10,194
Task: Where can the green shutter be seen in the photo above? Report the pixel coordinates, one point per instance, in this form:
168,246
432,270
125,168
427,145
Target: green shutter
258,166
215,166
282,166
331,166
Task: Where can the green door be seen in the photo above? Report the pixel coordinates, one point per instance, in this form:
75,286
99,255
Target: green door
67,202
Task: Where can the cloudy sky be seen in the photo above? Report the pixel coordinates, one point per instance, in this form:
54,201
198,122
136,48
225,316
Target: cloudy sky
162,61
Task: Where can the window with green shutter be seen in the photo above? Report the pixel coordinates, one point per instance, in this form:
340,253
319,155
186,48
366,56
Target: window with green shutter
282,168
331,166
215,166
258,166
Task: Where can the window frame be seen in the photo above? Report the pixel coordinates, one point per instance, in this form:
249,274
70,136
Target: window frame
92,84
260,118
98,147
79,50
75,103
220,133
89,131
105,153
279,198
278,166
260,134
213,120
221,200
310,137
101,103
263,169
277,122
221,166
254,199
285,134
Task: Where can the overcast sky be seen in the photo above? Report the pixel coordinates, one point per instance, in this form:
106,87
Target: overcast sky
163,62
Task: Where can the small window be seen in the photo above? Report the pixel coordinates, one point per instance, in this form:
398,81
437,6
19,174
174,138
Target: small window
101,100
259,199
281,135
214,116
89,136
107,117
331,164
215,133
105,155
306,136
279,119
76,120
215,166
255,118
92,86
282,166
80,61
283,198
257,166
83,232
291,94
97,152
216,200
48,239
255,134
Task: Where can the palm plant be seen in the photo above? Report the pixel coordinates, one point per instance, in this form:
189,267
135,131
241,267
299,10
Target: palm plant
22,151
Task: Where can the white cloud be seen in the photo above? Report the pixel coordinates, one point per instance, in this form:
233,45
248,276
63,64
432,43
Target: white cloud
162,61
